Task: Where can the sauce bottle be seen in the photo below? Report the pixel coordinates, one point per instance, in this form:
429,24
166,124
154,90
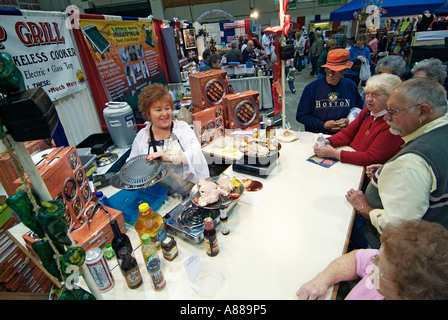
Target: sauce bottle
129,268
169,248
149,248
150,222
120,239
224,223
210,239
270,130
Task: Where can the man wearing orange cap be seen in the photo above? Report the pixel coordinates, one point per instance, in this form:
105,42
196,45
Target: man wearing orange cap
326,102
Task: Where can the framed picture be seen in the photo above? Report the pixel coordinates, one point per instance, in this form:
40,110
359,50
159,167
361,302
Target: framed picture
189,39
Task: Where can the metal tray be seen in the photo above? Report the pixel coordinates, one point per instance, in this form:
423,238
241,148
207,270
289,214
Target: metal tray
138,173
223,202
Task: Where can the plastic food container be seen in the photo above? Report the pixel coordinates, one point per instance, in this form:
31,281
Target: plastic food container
209,281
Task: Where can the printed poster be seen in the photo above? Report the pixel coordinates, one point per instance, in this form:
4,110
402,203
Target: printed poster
43,51
126,55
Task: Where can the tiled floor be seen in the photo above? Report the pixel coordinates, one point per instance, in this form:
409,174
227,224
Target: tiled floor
292,100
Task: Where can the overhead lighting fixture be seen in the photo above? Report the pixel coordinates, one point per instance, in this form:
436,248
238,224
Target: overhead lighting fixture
253,13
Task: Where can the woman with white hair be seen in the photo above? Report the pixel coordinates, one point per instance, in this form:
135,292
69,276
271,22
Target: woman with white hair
391,64
430,68
369,133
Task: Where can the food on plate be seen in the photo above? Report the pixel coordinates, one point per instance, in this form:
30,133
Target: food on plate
252,185
225,183
258,147
214,91
210,191
245,112
285,135
235,182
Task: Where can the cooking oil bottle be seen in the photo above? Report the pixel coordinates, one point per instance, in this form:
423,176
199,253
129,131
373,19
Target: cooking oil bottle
150,222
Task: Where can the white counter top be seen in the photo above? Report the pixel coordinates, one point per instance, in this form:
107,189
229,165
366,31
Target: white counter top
301,223
275,244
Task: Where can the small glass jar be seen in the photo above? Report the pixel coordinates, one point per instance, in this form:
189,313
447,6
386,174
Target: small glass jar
158,281
169,248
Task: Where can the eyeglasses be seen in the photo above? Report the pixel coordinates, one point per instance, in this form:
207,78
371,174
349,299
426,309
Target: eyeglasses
392,111
373,94
329,71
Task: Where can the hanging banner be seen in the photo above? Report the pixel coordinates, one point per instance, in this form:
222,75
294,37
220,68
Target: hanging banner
43,51
292,4
322,3
126,55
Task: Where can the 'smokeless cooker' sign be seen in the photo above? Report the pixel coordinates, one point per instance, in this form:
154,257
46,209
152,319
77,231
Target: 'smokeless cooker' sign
43,51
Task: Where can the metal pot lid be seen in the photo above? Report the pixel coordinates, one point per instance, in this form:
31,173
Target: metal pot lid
138,173
106,159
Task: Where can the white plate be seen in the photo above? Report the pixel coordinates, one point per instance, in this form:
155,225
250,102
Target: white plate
284,135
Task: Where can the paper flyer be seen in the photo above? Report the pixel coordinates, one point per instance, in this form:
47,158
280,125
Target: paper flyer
324,162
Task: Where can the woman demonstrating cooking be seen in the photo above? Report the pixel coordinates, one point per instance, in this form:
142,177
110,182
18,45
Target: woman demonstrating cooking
173,141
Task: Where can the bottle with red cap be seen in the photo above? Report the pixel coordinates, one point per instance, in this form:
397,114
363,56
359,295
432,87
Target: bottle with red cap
210,238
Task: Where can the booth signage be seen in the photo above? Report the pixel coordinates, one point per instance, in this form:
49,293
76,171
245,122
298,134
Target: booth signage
126,55
43,51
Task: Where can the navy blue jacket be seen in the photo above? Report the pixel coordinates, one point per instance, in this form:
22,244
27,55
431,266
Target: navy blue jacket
321,102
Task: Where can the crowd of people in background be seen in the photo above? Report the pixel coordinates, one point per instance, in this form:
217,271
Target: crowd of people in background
396,134
394,119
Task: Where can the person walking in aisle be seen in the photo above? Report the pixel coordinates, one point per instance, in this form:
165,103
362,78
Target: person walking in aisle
340,37
299,49
315,50
359,53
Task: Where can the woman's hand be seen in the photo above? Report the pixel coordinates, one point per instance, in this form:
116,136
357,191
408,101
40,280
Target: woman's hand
315,289
327,152
159,154
370,170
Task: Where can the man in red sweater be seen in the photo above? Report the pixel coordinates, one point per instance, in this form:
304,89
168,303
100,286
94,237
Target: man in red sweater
369,133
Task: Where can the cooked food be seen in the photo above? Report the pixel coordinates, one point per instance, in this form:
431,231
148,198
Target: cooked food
245,112
214,91
225,183
258,147
210,191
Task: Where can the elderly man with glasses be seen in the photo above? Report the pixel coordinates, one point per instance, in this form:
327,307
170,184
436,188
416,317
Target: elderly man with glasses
326,102
413,184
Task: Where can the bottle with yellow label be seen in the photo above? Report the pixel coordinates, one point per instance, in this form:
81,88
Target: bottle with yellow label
150,222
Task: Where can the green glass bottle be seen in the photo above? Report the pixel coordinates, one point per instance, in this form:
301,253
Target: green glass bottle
11,79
